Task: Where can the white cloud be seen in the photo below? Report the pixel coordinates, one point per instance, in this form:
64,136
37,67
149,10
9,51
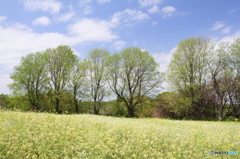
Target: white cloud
230,38
163,59
44,21
168,11
139,16
218,25
65,17
30,43
128,16
143,50
144,3
154,9
92,30
14,46
118,44
84,30
2,18
79,54
85,6
103,1
52,6
227,29
18,41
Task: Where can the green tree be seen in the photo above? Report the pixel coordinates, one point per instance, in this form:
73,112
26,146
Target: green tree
60,61
97,74
172,105
187,71
133,74
19,102
29,78
235,63
78,83
221,80
4,101
146,108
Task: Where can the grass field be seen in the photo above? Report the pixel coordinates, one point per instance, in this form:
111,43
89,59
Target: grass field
40,135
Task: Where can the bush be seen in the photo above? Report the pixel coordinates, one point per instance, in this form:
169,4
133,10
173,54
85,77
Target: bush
230,118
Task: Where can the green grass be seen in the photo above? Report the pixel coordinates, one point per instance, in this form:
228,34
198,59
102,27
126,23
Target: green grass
42,135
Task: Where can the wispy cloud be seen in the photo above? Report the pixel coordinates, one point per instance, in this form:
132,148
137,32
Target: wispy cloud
128,17
166,11
67,16
154,23
233,11
103,1
118,44
227,29
22,27
44,21
52,6
85,6
218,25
154,9
144,3
2,18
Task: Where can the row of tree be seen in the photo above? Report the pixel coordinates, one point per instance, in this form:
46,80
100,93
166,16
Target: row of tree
56,80
205,79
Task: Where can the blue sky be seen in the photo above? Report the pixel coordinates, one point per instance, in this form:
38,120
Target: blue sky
28,26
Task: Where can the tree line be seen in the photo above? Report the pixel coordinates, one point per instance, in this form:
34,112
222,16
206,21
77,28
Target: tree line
203,81
57,80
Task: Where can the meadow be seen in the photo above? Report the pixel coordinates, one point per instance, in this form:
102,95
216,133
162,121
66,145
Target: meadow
43,135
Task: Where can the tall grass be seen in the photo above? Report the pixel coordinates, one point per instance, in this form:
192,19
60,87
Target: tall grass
41,135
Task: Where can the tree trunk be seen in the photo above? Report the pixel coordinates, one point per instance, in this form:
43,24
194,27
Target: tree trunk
219,117
95,108
130,112
220,112
57,106
76,102
76,106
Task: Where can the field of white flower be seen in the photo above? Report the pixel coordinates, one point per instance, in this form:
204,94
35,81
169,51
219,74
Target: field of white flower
42,135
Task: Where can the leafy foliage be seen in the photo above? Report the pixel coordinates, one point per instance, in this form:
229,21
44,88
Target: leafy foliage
133,75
